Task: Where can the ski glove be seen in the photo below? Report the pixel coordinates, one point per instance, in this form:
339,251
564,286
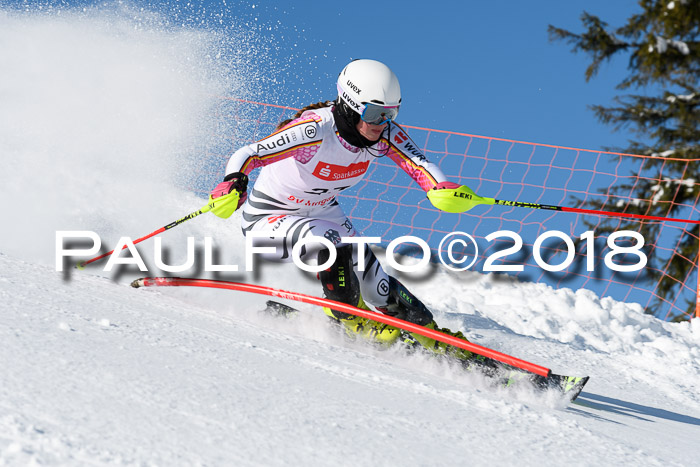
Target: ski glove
446,185
451,197
229,195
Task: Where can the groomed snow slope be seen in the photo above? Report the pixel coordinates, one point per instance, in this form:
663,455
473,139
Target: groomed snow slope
100,122
98,372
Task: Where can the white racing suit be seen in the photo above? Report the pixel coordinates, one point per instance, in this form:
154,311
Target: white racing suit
305,165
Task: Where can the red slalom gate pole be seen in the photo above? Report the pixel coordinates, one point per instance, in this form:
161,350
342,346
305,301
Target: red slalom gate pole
300,297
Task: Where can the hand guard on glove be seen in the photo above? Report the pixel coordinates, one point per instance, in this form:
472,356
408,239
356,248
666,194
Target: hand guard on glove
451,197
229,195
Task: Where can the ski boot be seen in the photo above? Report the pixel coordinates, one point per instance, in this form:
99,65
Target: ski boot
404,305
340,284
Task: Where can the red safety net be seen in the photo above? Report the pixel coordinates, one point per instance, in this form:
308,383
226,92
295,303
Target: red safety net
388,204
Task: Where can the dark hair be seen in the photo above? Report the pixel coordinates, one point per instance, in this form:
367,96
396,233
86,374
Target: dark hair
317,105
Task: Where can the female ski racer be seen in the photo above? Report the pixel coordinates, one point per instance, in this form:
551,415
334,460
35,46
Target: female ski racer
325,149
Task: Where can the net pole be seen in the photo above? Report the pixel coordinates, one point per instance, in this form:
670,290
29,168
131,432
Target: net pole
697,290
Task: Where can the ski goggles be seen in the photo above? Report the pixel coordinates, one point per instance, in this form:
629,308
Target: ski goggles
375,114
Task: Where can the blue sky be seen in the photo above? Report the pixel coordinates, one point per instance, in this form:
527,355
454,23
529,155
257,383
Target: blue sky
484,68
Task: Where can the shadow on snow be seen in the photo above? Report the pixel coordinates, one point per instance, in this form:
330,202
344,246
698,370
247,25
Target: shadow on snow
629,409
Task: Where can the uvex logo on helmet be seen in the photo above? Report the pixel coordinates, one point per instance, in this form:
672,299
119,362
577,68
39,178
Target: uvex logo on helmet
368,81
354,88
351,103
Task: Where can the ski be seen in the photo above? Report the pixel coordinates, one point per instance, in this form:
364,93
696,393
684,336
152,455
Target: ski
280,309
504,375
569,386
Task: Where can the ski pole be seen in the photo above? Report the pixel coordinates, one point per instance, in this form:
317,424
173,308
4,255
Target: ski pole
215,205
463,199
583,211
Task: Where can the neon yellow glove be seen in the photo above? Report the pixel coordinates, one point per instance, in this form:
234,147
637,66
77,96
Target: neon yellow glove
450,197
229,195
224,206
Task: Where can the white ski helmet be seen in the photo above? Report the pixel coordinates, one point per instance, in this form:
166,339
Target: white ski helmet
365,82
